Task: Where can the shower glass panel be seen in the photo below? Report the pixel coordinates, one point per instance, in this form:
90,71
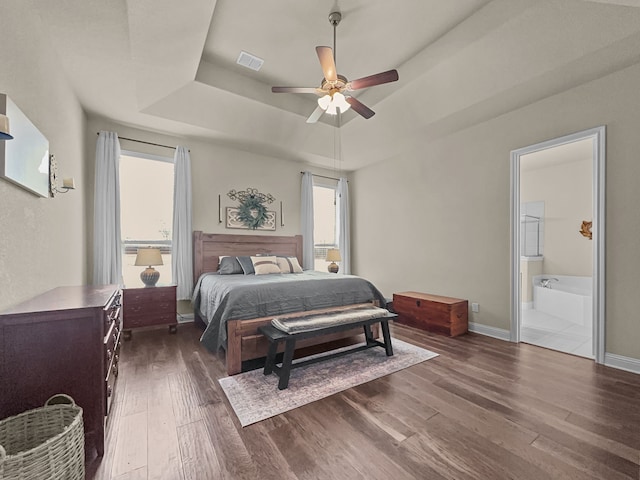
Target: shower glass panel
532,229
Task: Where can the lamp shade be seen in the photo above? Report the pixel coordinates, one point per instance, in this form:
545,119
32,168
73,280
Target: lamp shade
333,255
148,257
4,128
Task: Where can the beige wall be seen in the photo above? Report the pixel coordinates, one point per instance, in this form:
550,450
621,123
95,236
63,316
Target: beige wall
566,190
442,212
42,240
529,268
216,170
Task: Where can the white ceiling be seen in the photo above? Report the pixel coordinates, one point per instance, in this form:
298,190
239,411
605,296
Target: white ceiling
170,66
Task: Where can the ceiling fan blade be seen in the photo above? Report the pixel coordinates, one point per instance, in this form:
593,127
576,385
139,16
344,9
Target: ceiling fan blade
360,107
294,90
325,55
315,116
377,79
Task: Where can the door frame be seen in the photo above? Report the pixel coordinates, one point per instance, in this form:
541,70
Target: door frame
598,135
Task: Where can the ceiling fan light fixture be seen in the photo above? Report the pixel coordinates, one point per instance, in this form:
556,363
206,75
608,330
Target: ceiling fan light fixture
324,102
330,103
341,102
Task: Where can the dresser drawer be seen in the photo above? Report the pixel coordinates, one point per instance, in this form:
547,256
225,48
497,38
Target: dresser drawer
111,347
113,311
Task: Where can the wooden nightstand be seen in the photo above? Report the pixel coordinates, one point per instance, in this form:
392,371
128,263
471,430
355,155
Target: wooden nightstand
148,306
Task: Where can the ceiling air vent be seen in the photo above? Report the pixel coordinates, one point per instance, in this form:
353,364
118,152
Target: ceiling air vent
250,61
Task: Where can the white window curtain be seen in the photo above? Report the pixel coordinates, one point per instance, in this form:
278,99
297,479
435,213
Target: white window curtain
107,246
306,221
344,237
181,243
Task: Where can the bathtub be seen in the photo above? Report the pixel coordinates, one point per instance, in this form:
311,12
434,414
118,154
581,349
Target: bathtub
569,298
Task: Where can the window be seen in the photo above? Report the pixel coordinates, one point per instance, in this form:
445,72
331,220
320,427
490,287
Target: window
146,211
325,224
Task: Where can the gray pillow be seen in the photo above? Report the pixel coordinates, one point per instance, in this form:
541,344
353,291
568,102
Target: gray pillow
230,266
247,265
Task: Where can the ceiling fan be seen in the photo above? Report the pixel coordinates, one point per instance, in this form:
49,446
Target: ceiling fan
334,89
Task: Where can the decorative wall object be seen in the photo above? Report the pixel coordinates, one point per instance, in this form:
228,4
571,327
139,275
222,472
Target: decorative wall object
251,213
234,221
25,159
585,229
67,183
281,216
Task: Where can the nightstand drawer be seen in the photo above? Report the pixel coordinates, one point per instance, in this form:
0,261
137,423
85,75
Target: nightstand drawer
149,295
149,309
147,319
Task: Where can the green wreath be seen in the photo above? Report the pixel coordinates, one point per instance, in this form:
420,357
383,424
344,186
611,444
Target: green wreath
252,212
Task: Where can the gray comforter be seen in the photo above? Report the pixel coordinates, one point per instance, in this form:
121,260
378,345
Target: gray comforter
219,298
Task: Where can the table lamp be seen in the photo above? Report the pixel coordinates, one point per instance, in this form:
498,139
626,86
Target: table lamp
149,257
333,256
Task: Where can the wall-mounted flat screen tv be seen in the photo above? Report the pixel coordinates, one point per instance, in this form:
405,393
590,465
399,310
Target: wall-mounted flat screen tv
25,159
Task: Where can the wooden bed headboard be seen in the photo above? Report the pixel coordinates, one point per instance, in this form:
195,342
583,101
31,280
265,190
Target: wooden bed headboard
208,247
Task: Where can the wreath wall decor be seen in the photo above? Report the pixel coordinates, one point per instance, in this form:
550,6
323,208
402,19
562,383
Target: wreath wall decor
251,211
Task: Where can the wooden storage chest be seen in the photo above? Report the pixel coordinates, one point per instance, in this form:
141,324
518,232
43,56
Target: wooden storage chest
446,315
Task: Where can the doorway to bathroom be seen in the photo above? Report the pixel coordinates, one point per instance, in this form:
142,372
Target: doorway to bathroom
557,244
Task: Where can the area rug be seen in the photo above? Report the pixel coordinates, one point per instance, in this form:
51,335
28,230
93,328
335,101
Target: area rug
255,396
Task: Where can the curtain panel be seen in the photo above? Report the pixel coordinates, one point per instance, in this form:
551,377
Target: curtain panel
181,243
107,245
306,221
344,226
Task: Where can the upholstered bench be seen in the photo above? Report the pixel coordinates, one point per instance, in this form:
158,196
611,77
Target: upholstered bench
292,329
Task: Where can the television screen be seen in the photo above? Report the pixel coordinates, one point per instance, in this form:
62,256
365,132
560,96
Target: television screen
25,159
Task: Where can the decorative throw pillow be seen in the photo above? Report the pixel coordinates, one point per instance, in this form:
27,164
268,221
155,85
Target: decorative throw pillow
229,266
289,265
247,265
264,265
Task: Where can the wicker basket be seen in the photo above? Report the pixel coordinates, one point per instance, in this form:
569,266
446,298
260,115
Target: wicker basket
43,443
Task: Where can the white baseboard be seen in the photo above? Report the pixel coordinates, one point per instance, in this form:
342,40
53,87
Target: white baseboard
185,317
620,362
499,333
623,363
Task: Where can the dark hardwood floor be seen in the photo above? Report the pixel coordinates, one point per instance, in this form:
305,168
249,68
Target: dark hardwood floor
483,409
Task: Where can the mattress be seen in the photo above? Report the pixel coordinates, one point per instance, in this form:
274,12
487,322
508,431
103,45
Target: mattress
220,298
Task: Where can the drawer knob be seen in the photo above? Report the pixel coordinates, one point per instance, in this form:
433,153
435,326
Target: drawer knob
109,390
114,369
109,355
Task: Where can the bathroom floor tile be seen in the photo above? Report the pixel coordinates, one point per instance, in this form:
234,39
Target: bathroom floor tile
547,331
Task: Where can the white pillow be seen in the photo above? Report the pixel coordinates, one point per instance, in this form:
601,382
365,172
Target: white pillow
265,265
289,264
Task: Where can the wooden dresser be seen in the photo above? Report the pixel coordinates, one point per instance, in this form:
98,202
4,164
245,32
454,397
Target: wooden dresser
149,306
434,313
66,340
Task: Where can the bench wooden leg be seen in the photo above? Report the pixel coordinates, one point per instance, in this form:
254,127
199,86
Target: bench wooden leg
368,334
387,337
271,358
285,370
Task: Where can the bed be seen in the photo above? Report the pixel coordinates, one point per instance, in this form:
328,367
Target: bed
232,307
